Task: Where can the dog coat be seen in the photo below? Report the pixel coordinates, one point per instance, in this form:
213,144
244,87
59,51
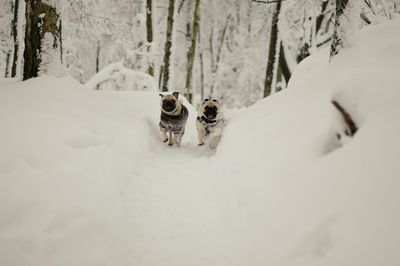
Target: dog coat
208,123
174,123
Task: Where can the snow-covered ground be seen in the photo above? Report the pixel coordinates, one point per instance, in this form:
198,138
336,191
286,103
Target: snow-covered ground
86,180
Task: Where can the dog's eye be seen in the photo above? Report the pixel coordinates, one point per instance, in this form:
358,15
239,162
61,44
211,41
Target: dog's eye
214,100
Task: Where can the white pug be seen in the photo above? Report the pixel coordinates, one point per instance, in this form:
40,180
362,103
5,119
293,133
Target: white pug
210,123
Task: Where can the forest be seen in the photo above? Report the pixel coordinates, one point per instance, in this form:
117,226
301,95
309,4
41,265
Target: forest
239,51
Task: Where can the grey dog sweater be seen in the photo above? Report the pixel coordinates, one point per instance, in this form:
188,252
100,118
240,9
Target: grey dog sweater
174,123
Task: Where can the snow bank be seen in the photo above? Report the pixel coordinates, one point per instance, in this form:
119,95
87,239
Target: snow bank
313,201
67,156
86,180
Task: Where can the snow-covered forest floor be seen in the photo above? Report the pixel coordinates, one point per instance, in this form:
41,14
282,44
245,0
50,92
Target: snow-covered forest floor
86,179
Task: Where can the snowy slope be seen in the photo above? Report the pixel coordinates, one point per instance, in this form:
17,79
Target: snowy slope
86,180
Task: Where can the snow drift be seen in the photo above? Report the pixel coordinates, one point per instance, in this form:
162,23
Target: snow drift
86,180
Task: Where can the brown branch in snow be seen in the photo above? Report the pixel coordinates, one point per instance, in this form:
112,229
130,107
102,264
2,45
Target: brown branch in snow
347,119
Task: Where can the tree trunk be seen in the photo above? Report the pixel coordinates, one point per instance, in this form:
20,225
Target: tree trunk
42,19
305,50
61,42
201,60
283,65
337,41
192,52
168,45
14,33
269,75
218,57
7,72
149,27
98,63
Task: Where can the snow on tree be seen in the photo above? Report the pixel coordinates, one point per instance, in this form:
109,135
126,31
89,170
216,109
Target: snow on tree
232,45
42,38
347,25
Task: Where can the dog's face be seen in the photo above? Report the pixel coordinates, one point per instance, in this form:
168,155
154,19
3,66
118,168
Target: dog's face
210,109
170,104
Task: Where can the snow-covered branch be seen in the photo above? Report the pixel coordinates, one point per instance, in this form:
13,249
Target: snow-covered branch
115,69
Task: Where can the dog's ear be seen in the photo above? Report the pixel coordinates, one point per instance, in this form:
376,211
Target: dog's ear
205,100
161,95
176,94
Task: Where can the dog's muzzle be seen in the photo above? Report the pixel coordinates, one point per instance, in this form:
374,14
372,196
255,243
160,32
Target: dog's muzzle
168,105
210,112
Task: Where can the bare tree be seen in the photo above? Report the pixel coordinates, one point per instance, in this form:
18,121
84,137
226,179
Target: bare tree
305,50
7,71
273,49
215,62
42,20
168,45
192,52
14,32
201,61
337,41
149,28
283,65
98,63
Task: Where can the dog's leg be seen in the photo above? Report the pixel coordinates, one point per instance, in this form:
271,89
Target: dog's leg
201,132
164,135
178,138
200,136
170,139
214,142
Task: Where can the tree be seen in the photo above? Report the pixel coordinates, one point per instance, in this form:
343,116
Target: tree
192,52
215,63
273,50
98,63
317,23
283,65
7,70
149,29
42,37
14,33
168,45
346,25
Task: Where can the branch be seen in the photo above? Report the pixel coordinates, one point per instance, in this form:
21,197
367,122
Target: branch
347,119
364,17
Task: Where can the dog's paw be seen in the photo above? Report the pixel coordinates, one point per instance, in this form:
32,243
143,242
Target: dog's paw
200,144
170,144
165,140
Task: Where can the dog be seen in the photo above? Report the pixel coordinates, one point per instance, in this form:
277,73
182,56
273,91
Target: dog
173,118
210,122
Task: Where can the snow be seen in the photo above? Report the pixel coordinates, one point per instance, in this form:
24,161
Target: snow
113,71
350,24
50,58
86,180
